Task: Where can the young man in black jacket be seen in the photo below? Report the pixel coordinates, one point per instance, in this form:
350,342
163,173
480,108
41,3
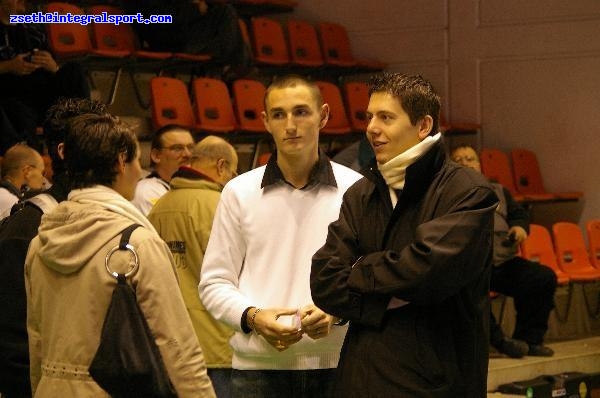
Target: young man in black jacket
531,285
408,261
16,232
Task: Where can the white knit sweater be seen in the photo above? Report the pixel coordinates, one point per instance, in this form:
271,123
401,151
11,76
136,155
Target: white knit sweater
259,254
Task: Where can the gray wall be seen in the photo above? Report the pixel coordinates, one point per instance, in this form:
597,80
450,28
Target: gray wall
527,71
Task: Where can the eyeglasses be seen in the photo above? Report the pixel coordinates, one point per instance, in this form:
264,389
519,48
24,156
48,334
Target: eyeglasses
179,148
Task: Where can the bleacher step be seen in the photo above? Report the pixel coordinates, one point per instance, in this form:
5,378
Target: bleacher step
569,356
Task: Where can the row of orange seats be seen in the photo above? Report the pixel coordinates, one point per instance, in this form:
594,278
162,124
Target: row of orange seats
523,179
301,44
566,252
306,48
212,109
69,40
285,5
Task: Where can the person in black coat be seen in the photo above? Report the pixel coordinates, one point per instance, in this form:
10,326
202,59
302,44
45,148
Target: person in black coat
408,261
16,232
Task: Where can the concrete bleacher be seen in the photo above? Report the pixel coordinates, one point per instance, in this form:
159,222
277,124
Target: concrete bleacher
582,355
575,340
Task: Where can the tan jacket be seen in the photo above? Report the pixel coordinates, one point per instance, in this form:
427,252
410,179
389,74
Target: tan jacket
183,217
68,292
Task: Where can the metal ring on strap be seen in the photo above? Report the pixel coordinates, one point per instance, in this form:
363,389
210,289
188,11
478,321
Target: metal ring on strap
132,271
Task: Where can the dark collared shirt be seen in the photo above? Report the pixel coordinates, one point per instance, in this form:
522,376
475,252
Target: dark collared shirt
320,173
191,174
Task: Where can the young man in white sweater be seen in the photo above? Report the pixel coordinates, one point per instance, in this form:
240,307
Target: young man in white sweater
255,274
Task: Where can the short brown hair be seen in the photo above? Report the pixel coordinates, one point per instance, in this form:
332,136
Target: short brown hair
293,81
416,95
93,144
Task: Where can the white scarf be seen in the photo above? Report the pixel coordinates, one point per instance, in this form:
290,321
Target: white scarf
394,170
111,200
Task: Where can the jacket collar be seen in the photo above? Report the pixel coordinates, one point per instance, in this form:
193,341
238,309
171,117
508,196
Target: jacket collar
321,172
11,188
419,175
191,174
154,174
60,187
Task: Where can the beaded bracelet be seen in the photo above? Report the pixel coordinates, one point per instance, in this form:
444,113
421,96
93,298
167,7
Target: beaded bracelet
252,318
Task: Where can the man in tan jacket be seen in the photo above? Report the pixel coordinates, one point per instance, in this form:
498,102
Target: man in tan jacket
183,218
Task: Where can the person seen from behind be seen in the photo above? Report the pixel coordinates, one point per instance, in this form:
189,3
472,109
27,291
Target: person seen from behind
16,232
102,159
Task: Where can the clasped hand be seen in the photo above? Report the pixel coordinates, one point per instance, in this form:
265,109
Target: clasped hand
19,65
310,321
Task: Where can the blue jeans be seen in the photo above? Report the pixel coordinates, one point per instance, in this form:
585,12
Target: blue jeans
221,381
316,383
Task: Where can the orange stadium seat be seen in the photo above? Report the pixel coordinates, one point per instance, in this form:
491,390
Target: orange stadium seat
67,40
212,106
335,45
304,45
538,248
571,252
593,233
338,120
248,99
528,178
270,47
119,40
357,101
170,103
337,50
496,167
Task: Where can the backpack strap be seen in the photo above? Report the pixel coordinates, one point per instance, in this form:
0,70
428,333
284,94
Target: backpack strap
44,201
123,245
126,234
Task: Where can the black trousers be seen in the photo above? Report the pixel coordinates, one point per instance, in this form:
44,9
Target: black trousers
532,288
24,100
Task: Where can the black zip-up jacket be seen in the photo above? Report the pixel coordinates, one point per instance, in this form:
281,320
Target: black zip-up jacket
434,250
16,232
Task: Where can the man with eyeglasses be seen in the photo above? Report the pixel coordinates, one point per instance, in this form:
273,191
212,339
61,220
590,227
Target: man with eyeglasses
530,284
171,148
22,169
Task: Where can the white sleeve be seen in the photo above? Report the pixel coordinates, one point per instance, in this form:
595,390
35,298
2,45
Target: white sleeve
222,264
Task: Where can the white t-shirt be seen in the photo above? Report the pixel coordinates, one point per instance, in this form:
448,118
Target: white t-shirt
7,201
147,193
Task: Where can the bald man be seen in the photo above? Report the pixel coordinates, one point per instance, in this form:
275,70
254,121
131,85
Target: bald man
183,217
22,170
